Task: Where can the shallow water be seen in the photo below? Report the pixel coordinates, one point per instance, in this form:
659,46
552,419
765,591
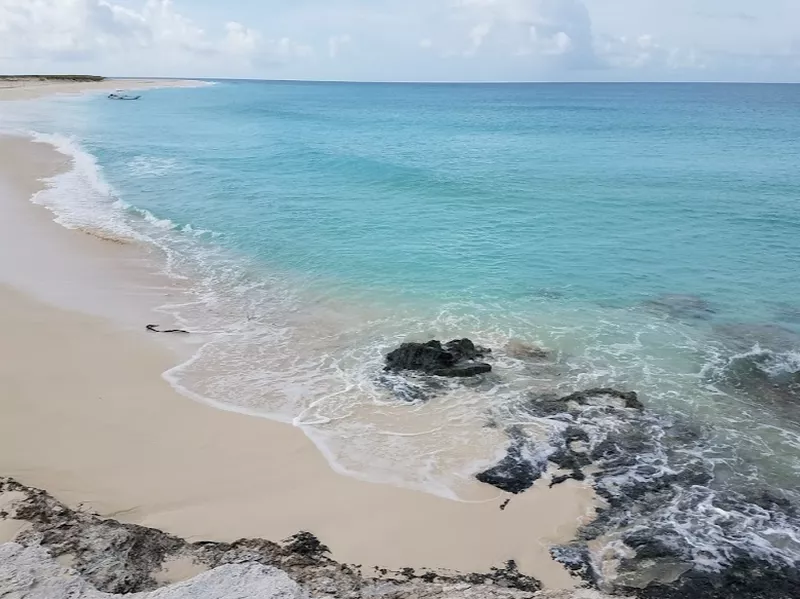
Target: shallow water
646,235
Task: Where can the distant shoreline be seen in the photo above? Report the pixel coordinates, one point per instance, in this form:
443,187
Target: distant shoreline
36,86
73,78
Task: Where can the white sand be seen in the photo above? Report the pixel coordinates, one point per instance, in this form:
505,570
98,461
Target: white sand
85,414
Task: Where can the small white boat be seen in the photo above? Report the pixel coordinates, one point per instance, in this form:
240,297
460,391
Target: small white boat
119,95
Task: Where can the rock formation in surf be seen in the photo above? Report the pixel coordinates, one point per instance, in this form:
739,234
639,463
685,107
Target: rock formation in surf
518,470
523,464
459,358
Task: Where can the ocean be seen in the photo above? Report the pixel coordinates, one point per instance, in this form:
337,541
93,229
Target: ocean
645,236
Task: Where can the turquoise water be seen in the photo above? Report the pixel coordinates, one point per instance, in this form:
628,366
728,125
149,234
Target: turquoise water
647,235
611,194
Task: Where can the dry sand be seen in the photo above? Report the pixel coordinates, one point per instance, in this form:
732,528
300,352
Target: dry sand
85,414
26,88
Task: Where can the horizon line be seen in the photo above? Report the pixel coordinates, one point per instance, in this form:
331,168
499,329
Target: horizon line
470,82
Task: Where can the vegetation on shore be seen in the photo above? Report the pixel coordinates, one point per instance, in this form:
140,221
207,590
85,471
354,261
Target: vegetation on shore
71,78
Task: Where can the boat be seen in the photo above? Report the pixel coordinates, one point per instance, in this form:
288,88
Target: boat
118,95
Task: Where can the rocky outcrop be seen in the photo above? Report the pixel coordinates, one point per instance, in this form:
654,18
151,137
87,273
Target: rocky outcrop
457,359
109,558
603,397
524,464
651,539
32,573
518,470
627,399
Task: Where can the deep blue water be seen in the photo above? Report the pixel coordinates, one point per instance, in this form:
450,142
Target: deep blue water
647,236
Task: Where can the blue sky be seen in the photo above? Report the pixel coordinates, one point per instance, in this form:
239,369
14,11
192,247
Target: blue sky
407,40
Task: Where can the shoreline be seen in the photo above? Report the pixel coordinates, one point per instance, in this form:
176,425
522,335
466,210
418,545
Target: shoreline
129,446
34,88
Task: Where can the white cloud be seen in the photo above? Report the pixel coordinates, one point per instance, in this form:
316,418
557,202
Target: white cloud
102,32
409,39
559,29
241,40
336,43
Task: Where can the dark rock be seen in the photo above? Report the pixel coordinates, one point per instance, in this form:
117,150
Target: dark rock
557,480
456,359
573,433
566,459
578,475
547,406
307,544
682,306
504,505
515,473
583,398
424,357
648,546
621,447
774,501
463,370
743,578
551,405
577,560
465,349
510,577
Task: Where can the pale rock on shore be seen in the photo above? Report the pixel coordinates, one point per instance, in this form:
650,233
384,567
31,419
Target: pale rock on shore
60,553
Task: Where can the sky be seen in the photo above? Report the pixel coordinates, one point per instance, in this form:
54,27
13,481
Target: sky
407,40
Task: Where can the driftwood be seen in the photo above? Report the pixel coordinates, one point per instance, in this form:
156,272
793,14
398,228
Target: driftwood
154,329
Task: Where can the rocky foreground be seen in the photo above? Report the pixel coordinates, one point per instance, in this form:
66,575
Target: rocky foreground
669,526
61,553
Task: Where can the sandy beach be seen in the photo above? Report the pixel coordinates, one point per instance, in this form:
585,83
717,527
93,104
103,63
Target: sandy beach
26,88
86,415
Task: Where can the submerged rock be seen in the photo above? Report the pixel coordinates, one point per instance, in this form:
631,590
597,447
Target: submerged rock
547,405
682,306
526,351
743,337
457,359
764,375
744,578
628,399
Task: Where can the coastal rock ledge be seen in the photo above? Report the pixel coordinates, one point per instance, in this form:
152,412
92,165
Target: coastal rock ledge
61,553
